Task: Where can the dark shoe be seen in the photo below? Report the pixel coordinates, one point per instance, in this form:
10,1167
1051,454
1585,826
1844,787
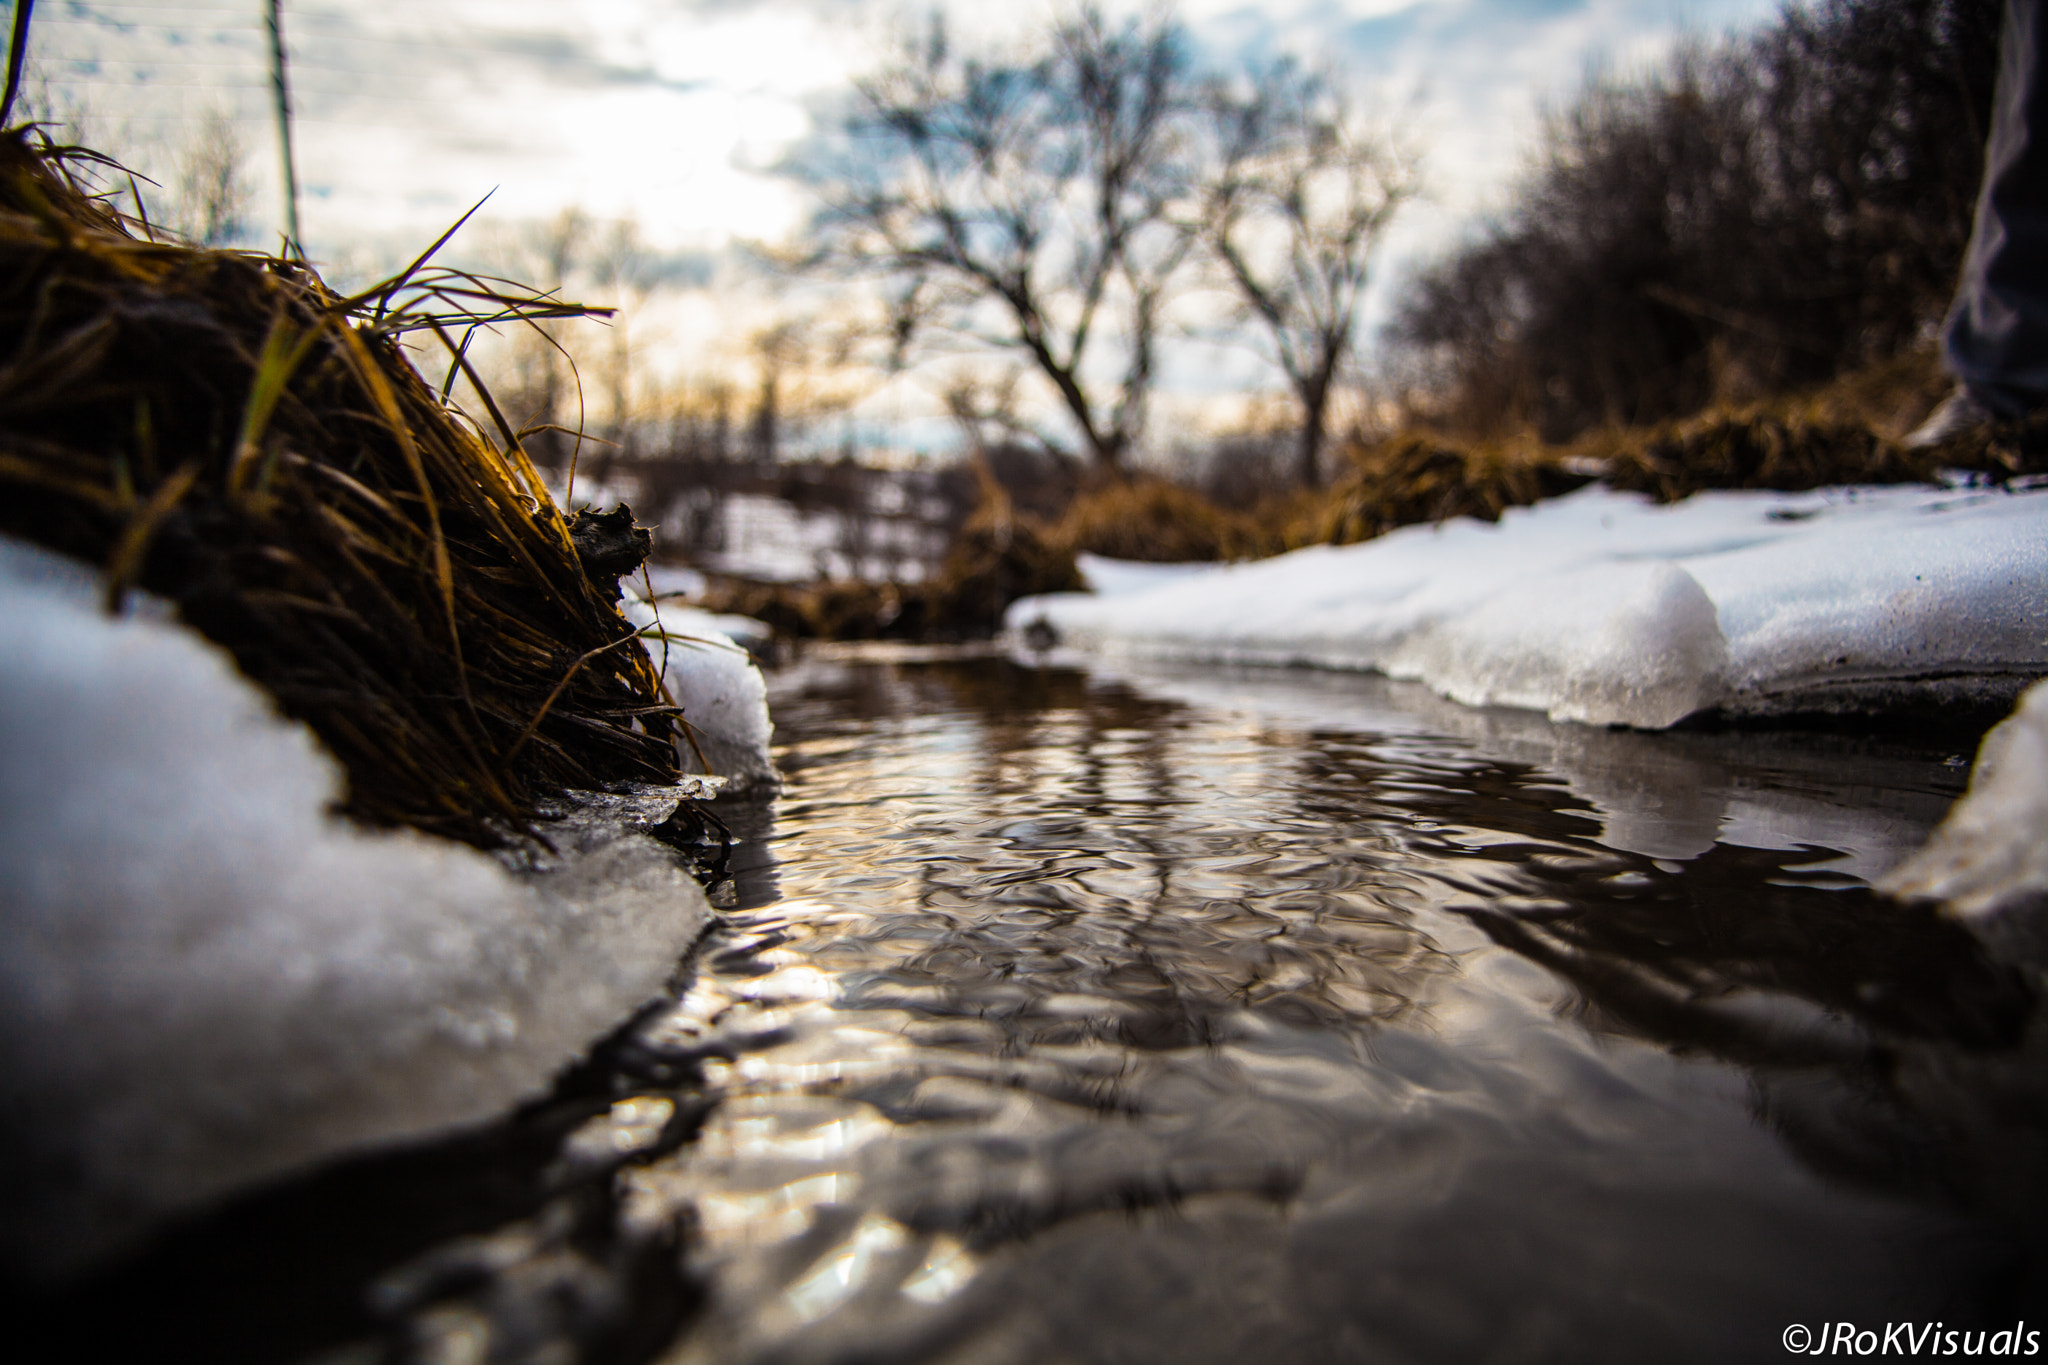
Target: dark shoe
1957,415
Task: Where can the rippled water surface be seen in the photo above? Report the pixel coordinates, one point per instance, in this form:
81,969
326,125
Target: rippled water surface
1202,1017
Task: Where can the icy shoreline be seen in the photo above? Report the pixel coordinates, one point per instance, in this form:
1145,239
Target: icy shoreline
1988,863
1604,608
207,980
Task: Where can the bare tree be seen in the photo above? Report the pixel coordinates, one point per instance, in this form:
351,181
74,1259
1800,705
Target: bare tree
1033,204
210,188
983,406
201,189
623,272
1751,216
1292,210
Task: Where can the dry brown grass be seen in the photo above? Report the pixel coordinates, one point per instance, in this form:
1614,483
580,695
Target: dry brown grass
1420,477
1890,397
1148,518
1845,431
999,555
1753,450
222,429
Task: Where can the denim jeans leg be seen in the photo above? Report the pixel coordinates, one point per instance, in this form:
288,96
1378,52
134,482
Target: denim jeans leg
1996,336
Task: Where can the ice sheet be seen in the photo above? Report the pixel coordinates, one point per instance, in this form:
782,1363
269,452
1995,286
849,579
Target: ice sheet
1990,857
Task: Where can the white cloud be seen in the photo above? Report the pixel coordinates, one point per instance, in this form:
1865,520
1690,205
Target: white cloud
673,110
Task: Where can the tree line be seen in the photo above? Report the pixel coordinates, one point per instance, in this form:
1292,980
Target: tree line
1755,214
1758,214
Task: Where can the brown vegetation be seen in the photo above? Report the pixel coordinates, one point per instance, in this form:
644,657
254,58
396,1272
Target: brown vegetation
1154,520
1845,431
1419,477
1758,450
221,429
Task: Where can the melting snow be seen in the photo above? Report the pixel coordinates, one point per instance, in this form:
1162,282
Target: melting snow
1991,855
1605,608
703,658
207,980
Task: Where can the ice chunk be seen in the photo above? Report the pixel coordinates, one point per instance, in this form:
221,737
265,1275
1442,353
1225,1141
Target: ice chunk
720,689
206,979
1991,854
1602,607
1635,643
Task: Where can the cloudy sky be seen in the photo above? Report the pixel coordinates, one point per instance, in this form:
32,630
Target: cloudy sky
674,112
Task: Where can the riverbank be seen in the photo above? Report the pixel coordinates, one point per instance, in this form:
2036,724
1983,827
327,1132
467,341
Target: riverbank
1608,608
339,801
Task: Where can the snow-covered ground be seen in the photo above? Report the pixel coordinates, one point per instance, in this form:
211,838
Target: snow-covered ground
1114,577
670,580
774,541
206,979
1603,607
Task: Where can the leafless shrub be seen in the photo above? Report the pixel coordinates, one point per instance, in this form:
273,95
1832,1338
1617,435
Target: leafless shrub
210,189
1755,215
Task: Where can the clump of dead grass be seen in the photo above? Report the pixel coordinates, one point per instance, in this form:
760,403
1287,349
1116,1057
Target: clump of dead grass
2001,451
1890,396
1147,518
1416,476
1753,450
998,556
1846,431
224,430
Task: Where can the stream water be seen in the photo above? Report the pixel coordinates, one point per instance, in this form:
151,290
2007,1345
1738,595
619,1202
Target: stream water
1068,1016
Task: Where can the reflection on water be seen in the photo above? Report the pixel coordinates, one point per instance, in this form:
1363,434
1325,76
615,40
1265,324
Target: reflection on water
1192,1017
1195,1018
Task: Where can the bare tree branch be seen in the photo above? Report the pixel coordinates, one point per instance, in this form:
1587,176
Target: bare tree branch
1297,199
1035,204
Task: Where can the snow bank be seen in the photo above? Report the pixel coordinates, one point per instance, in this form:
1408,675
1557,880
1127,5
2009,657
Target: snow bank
673,580
1991,854
1603,607
207,980
1110,577
721,691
